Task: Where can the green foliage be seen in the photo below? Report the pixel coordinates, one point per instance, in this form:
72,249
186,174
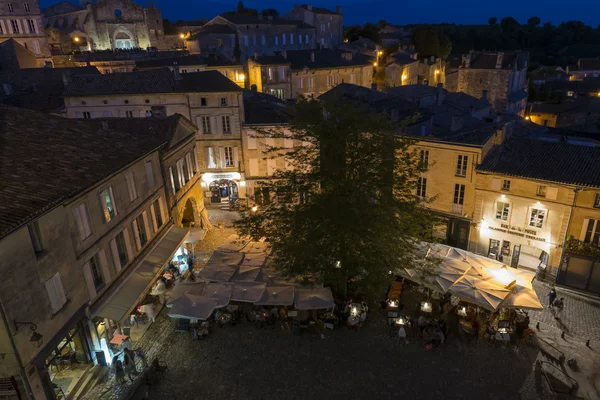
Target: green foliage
270,12
367,31
429,42
493,21
533,22
510,26
347,208
584,249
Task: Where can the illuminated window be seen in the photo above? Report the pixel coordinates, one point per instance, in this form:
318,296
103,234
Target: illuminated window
537,217
461,165
502,210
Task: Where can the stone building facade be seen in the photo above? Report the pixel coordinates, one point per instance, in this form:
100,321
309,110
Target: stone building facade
502,75
84,239
106,25
270,74
23,22
329,25
262,35
401,69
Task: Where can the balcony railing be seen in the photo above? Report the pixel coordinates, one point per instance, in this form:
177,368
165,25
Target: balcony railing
575,246
456,209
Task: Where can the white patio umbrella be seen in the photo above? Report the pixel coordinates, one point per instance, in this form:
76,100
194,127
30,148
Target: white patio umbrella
522,297
216,272
254,259
313,299
277,296
444,278
484,293
193,307
248,292
182,288
221,292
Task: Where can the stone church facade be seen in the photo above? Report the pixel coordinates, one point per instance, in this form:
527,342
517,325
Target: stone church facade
107,25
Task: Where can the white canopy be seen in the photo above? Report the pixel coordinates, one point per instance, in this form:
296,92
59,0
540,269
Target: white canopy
248,292
522,297
182,288
216,272
221,292
484,293
193,307
219,257
243,273
277,296
254,259
313,299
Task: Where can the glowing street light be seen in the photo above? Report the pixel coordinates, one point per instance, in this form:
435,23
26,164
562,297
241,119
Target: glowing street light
375,64
404,77
437,71
76,39
254,209
241,77
181,35
380,52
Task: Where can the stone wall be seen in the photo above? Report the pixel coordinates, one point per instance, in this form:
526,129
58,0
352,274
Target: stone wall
495,81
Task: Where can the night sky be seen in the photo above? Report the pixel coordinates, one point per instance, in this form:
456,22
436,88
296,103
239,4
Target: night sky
400,12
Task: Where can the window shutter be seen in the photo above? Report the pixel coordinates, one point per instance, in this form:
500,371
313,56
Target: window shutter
188,160
104,266
149,174
586,221
53,295
79,222
496,184
163,210
236,160
60,291
136,234
251,143
26,26
199,124
130,253
172,180
146,224
219,124
253,167
213,124
207,154
196,160
89,280
114,200
271,166
85,216
551,193
115,253
35,26
221,163
153,216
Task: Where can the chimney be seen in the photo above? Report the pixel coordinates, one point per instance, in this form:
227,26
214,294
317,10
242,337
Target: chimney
423,130
256,56
312,56
284,53
176,73
499,60
66,77
484,95
457,123
338,9
440,94
309,7
374,87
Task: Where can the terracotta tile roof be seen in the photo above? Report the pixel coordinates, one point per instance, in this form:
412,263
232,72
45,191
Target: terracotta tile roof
45,159
151,81
550,161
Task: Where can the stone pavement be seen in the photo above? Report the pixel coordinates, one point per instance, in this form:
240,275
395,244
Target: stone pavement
580,318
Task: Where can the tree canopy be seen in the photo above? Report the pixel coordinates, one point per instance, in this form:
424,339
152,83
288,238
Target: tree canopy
429,42
367,31
346,207
493,21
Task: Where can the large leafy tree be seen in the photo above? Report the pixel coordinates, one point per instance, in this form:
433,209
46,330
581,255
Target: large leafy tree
346,207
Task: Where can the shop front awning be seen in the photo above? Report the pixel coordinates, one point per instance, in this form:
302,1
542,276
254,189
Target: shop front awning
123,297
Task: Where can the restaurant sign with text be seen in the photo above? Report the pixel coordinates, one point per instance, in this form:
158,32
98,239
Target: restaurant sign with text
514,230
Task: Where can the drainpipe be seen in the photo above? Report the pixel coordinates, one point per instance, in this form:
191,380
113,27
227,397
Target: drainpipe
29,392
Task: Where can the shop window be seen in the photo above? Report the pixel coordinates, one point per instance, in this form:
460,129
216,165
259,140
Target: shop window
597,200
461,165
502,210
97,279
494,249
131,189
107,198
424,159
537,217
505,184
35,236
82,220
541,190
421,187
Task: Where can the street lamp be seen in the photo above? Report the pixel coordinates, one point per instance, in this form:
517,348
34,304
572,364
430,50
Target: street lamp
403,77
36,338
76,39
380,52
241,77
254,209
375,64
181,35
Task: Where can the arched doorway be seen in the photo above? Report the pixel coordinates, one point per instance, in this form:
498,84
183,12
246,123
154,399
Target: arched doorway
123,41
189,215
223,191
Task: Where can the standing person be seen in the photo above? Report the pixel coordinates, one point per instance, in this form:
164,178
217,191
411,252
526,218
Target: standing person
120,372
558,306
129,367
140,354
551,297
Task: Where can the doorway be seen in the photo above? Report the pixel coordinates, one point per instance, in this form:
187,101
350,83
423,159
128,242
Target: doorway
223,191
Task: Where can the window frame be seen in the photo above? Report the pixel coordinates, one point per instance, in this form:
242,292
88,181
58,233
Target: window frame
462,165
459,194
98,269
107,212
505,185
421,187
226,122
35,235
496,210
81,214
530,216
541,192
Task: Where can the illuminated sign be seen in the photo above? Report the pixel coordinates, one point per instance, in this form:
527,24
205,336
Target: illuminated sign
512,230
209,177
